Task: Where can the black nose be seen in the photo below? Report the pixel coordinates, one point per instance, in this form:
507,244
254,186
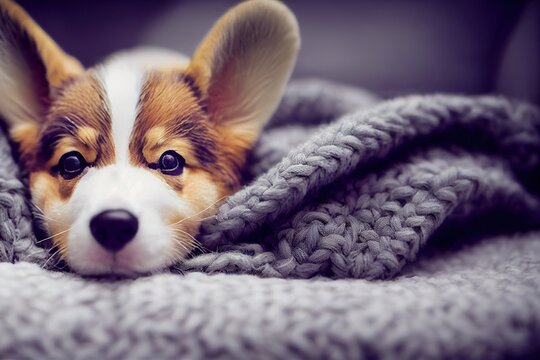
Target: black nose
113,229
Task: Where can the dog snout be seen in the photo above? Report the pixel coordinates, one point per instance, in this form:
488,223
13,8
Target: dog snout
113,229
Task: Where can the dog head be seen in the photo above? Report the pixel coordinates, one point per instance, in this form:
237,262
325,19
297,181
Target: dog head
125,158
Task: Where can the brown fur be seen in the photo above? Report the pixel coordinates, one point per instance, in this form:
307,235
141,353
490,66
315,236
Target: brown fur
82,102
172,118
42,144
59,66
209,111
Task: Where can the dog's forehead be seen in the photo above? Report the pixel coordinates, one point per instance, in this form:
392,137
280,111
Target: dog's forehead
83,101
97,111
123,104
78,115
122,84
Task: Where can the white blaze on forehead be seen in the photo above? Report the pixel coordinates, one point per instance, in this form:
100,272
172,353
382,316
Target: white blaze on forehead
122,81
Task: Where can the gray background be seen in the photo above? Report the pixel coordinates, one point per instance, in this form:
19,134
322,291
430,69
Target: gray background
391,47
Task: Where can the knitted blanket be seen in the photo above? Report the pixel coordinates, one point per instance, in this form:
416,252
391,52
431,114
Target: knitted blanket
431,200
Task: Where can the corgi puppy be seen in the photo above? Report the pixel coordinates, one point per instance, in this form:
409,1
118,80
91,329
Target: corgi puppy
125,158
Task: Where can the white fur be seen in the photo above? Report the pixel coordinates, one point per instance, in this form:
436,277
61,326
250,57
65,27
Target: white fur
122,78
122,81
138,191
148,58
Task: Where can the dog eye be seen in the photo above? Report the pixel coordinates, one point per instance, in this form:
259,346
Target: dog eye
71,165
171,163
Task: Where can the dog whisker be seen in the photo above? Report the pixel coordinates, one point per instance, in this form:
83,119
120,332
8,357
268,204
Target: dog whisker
182,239
53,255
192,240
200,212
42,215
53,236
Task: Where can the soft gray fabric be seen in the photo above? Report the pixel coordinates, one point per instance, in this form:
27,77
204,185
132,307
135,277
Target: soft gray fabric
480,303
17,239
341,185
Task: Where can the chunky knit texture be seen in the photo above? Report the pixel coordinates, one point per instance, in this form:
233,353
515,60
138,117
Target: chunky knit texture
479,303
17,238
341,185
363,194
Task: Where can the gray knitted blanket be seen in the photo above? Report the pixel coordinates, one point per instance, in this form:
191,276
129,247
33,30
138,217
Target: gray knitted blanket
433,201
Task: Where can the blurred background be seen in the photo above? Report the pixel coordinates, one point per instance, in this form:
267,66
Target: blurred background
391,47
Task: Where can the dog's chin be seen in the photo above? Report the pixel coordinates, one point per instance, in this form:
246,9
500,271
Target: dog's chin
128,262
100,262
139,257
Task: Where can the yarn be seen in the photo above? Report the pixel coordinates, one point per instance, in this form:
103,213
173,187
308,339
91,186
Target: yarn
17,238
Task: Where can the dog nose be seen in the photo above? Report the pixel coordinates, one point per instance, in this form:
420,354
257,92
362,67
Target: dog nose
113,229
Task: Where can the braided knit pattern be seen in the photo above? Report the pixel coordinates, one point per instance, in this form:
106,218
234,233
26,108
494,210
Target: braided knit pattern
17,239
370,224
365,136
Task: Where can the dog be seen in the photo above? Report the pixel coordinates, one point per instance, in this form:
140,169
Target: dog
127,157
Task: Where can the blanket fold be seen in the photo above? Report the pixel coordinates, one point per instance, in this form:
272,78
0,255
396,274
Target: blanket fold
489,158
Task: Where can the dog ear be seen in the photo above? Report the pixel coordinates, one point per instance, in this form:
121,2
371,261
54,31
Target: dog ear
244,63
32,67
